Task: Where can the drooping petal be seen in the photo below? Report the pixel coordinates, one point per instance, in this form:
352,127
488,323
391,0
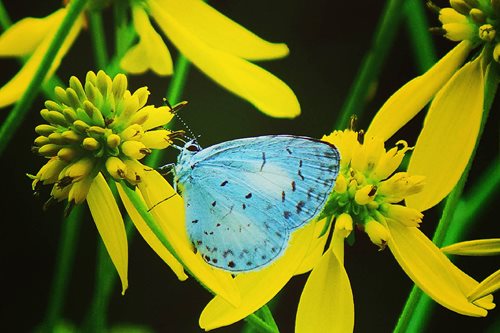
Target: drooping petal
405,103
326,303
486,287
259,287
14,89
479,247
151,52
429,268
150,237
110,225
264,90
170,217
448,136
220,32
316,248
24,36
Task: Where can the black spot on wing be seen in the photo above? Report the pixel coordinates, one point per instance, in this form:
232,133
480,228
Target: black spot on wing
224,183
248,196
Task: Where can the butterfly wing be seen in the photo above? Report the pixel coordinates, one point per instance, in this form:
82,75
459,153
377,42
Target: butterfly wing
228,233
257,190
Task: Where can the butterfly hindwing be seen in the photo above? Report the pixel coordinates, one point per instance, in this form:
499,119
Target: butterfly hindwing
244,197
229,234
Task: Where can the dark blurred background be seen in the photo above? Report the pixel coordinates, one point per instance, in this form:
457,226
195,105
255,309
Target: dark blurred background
328,40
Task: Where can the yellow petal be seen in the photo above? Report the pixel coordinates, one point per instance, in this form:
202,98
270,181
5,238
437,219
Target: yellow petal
429,268
24,36
259,287
220,32
405,103
156,139
157,117
151,52
316,248
326,303
486,287
448,136
14,89
150,237
479,247
264,90
110,225
170,216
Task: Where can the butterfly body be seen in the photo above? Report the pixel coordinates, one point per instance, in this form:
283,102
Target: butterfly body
244,197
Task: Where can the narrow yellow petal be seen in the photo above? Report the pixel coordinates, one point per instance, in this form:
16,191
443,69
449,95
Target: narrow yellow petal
151,52
156,139
264,90
24,36
110,225
405,103
220,32
326,303
448,136
170,216
486,287
479,247
259,287
316,248
157,117
13,89
150,237
429,268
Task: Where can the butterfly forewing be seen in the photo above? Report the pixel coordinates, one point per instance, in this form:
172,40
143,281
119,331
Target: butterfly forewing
249,194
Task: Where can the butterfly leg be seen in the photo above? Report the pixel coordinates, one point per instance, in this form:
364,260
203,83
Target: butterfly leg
166,169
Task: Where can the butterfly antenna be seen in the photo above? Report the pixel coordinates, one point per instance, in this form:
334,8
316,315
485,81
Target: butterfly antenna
174,110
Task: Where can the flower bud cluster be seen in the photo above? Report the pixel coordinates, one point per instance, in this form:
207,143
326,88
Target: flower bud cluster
98,126
367,187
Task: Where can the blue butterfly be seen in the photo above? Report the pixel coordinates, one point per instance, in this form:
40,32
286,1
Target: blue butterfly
244,197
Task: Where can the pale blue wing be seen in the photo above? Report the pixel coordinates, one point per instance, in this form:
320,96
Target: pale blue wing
231,234
289,176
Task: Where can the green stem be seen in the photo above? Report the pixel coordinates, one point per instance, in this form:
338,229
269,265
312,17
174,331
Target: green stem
128,37
260,325
98,39
5,21
16,116
120,13
484,192
372,62
64,264
418,307
421,41
174,94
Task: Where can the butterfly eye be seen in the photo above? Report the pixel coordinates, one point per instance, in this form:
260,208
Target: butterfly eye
193,148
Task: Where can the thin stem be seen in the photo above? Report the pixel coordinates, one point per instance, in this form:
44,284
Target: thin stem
418,307
16,116
260,325
98,39
5,21
120,13
128,37
480,196
372,62
64,263
421,41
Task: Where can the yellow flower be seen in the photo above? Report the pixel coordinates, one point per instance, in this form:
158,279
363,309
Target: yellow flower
31,37
453,121
218,46
99,130
369,196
